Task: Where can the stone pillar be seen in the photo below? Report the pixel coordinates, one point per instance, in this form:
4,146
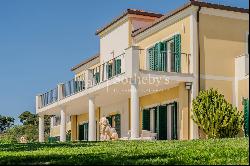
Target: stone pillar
41,128
92,121
60,91
63,126
135,114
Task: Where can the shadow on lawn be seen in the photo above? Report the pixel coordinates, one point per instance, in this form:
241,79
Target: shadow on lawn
36,146
95,159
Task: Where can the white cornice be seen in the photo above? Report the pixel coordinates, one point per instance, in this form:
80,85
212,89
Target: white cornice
224,13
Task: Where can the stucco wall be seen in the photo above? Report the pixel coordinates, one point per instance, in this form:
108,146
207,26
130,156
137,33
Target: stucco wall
221,41
115,41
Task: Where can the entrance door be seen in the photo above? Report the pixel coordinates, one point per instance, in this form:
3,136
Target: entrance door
83,131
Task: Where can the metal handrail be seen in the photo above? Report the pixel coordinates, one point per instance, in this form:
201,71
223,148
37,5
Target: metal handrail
49,97
166,61
101,73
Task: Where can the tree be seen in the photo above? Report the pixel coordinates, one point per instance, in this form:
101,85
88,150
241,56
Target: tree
5,123
27,118
215,116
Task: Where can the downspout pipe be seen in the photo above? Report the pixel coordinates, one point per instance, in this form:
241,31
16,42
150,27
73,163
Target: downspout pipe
199,50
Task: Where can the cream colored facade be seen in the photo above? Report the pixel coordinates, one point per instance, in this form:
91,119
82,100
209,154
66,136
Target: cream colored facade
217,55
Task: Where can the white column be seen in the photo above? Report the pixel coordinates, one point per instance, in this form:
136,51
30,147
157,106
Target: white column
152,120
194,67
92,121
41,128
63,126
134,110
52,122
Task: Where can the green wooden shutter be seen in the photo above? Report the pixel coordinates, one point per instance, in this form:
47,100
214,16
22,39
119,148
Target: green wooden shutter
109,70
177,50
151,59
118,124
164,56
246,116
117,66
157,56
146,119
97,77
162,122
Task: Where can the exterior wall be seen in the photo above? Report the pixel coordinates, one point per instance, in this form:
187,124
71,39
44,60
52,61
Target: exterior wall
220,45
225,87
243,91
122,109
115,41
182,27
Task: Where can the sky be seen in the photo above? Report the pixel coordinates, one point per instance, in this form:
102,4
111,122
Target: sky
40,40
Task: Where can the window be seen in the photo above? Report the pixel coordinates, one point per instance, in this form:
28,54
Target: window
166,56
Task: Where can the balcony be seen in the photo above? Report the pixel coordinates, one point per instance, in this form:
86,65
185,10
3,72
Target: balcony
91,78
128,64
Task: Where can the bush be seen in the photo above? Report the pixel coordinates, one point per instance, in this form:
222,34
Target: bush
215,116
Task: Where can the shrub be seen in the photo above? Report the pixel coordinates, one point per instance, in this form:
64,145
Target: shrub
215,116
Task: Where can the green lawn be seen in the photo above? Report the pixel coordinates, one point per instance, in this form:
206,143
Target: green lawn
223,151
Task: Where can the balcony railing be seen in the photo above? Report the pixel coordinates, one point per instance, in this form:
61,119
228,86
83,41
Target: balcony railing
166,61
101,73
49,97
108,70
73,86
134,60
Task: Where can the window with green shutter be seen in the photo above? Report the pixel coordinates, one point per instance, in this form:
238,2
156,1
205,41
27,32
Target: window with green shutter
97,77
146,119
157,57
109,70
117,66
177,50
151,58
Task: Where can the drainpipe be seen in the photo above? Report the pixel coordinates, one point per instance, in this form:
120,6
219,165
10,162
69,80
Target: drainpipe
199,50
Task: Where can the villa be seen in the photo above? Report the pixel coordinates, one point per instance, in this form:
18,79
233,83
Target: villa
149,69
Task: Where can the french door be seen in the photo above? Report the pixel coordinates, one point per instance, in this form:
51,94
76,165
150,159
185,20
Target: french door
164,119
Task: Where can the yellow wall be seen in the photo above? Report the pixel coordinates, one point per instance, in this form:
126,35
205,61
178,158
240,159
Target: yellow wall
166,33
55,131
243,91
224,87
222,39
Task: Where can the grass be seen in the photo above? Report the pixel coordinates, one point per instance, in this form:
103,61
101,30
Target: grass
213,151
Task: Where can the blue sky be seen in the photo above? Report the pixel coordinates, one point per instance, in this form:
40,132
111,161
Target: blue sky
40,40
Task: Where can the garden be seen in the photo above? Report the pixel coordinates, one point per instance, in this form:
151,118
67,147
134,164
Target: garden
210,151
